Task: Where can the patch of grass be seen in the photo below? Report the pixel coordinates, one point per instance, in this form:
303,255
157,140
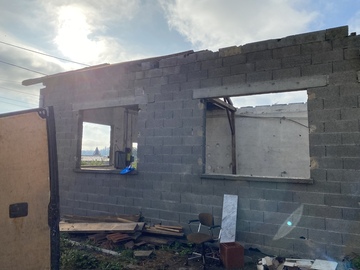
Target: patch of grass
356,262
127,255
179,248
74,257
78,259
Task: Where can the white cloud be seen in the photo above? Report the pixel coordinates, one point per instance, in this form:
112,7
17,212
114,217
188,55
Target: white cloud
354,23
211,24
95,135
83,38
13,95
81,28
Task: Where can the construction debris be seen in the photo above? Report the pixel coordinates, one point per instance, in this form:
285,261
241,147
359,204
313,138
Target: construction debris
109,231
165,230
280,263
100,227
119,218
118,237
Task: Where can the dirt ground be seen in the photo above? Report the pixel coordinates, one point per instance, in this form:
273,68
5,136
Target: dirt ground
167,257
172,257
167,260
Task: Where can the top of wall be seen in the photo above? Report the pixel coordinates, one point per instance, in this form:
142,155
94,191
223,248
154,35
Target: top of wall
328,34
187,56
292,108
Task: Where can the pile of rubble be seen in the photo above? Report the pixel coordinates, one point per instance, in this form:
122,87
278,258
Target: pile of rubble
108,232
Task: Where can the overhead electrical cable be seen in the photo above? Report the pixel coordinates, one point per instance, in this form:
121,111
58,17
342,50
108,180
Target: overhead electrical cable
19,101
10,81
34,95
15,104
28,69
26,49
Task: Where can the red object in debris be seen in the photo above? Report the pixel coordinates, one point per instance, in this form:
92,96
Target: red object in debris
232,255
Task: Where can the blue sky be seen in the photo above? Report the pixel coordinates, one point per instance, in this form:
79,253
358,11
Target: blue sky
111,31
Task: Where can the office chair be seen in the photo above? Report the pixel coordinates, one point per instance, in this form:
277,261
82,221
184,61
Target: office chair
206,223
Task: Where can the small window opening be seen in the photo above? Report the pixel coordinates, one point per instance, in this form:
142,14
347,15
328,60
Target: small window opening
95,148
108,138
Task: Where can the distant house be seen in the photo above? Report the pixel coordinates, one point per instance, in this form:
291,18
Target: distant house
297,180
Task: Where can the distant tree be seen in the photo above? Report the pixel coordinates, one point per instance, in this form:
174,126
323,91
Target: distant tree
97,152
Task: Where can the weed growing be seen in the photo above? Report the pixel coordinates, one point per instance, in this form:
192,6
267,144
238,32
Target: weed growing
75,257
81,257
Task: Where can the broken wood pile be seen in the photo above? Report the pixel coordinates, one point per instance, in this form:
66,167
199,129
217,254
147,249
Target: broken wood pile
109,231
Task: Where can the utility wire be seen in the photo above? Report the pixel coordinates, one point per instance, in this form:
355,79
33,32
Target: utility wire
10,81
15,104
19,91
33,103
22,68
26,49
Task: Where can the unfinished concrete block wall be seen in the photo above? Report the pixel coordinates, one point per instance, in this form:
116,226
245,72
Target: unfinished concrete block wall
170,186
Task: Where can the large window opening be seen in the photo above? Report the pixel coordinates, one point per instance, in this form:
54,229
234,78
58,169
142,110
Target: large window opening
271,136
108,138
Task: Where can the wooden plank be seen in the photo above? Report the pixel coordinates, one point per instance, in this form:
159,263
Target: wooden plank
171,227
141,226
153,240
222,104
118,237
99,227
160,227
153,230
121,218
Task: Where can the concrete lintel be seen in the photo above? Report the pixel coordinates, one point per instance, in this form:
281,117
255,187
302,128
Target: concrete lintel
236,177
126,101
274,86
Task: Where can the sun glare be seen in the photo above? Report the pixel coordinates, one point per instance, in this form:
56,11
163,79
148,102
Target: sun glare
73,33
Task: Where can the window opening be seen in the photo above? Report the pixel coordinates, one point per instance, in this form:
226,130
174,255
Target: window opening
108,138
95,148
271,136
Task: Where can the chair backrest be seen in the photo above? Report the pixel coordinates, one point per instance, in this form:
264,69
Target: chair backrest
206,219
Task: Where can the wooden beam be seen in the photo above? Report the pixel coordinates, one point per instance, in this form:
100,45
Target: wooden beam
274,86
94,219
222,104
100,227
233,144
153,230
